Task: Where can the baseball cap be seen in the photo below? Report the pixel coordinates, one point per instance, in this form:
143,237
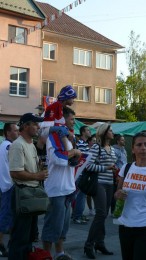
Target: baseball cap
67,92
29,117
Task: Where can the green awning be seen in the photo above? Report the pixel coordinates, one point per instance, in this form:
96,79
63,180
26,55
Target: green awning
78,125
130,128
1,139
1,125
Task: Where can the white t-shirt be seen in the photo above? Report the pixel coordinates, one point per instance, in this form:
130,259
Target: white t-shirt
134,212
60,181
5,178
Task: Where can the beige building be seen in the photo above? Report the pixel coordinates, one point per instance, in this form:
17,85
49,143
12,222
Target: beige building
75,54
20,56
37,63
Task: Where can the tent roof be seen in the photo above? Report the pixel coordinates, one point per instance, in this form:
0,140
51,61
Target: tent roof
130,128
77,126
1,125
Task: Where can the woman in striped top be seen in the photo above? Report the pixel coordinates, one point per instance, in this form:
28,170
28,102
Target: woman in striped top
103,162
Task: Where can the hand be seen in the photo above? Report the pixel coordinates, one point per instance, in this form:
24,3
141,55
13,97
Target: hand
42,175
115,169
120,194
112,167
77,153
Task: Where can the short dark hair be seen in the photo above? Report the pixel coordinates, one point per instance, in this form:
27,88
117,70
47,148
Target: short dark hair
90,138
140,134
118,137
7,128
82,129
67,111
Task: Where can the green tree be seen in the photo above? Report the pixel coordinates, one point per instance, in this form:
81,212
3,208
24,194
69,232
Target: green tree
131,92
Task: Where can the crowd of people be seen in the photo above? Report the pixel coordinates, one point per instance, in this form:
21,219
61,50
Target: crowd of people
52,160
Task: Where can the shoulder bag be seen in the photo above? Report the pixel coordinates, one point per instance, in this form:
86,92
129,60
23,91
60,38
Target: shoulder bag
88,181
31,200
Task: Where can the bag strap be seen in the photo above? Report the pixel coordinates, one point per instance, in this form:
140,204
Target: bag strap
99,152
127,167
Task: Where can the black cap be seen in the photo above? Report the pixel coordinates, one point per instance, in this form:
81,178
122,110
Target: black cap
29,117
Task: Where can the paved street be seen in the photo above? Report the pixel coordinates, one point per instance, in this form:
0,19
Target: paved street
77,236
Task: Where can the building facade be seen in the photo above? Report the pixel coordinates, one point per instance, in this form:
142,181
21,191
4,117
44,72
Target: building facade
75,54
38,59
20,56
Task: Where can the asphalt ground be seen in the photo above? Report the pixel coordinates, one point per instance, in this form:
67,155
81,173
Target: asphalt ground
74,244
76,238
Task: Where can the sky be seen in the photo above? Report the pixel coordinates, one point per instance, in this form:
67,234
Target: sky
113,19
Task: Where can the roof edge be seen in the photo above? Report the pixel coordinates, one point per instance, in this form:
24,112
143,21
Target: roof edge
41,16
84,39
36,4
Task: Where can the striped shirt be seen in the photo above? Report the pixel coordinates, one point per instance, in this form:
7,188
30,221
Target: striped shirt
99,162
82,145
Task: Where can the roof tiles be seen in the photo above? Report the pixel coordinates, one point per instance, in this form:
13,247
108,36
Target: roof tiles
71,27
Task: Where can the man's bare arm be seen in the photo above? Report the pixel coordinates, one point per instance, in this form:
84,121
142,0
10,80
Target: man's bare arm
28,176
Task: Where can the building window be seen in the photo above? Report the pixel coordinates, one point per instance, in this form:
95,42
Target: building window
18,81
17,34
103,95
83,93
82,57
48,88
104,61
49,51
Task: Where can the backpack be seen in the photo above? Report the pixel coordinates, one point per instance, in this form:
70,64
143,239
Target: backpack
127,167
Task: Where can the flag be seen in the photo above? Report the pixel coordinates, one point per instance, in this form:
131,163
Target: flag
47,100
85,157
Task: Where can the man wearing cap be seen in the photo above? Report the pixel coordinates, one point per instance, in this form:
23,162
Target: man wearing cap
24,170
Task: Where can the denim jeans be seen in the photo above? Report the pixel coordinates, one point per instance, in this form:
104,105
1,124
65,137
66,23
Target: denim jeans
102,202
6,218
79,205
57,219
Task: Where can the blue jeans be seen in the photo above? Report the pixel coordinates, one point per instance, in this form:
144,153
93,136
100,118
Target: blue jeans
79,205
6,218
57,220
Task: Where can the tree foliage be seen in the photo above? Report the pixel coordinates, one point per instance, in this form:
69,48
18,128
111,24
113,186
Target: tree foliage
131,92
